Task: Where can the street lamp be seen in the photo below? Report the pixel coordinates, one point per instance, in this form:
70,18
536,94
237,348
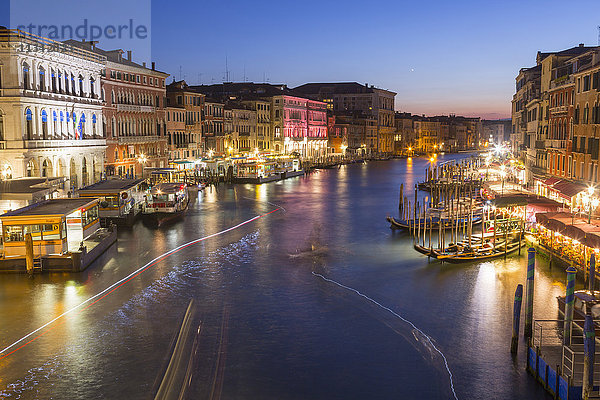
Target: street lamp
142,160
592,202
502,174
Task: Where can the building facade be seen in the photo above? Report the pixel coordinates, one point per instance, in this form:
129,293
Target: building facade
180,95
346,98
134,113
50,110
177,138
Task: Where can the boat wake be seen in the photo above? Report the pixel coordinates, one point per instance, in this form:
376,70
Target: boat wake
418,334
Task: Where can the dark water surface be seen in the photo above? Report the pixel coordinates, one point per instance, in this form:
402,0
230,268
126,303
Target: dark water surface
272,327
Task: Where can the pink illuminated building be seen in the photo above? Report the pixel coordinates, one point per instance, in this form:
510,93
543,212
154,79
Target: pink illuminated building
300,125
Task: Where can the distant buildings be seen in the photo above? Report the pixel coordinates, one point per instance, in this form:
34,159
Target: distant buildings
77,111
364,103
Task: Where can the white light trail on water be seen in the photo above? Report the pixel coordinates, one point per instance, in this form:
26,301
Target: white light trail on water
399,316
120,282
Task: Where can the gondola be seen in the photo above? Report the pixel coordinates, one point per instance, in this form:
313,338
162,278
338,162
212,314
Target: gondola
468,256
425,250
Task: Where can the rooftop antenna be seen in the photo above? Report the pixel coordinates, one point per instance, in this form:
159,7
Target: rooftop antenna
199,78
245,73
180,72
598,35
226,70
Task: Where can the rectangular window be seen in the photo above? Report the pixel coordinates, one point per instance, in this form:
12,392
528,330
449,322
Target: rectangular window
586,83
13,233
51,231
35,231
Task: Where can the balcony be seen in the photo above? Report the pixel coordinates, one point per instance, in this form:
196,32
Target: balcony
135,108
95,100
559,110
45,144
139,139
562,81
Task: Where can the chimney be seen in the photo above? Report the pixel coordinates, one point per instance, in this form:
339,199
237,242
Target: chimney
129,55
153,65
580,44
144,64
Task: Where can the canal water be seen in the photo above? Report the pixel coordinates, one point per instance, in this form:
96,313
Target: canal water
316,300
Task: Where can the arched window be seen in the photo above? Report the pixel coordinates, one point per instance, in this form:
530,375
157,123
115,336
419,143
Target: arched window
73,85
26,76
586,114
55,123
84,172
42,78
94,125
45,169
28,124
112,97
44,125
81,91
116,155
30,169
81,127
53,80
59,80
66,83
92,92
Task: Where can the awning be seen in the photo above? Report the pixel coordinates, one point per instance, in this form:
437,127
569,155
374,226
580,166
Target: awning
510,201
592,239
551,181
568,189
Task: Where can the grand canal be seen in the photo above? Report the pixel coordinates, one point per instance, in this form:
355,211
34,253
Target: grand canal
316,300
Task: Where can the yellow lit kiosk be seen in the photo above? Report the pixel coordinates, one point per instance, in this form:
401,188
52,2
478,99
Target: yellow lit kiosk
66,235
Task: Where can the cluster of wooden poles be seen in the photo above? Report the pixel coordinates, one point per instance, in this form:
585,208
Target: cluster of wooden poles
452,198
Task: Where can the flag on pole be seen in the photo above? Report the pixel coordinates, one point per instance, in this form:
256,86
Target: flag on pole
79,132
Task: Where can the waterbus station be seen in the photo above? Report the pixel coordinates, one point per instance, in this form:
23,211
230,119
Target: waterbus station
65,235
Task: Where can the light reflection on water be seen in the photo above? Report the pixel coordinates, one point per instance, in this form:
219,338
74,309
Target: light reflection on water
288,336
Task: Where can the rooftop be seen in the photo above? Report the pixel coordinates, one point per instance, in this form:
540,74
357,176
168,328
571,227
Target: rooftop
51,207
111,185
336,88
115,56
29,185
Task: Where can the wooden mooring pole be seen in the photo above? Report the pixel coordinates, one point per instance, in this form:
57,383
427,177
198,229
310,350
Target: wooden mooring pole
592,278
529,288
514,344
29,253
589,349
569,301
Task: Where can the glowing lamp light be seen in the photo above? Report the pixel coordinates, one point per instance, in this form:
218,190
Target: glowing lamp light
590,190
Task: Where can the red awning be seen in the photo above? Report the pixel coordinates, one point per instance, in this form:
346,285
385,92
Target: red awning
568,189
551,181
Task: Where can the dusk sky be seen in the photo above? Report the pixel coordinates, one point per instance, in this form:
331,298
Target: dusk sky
440,57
